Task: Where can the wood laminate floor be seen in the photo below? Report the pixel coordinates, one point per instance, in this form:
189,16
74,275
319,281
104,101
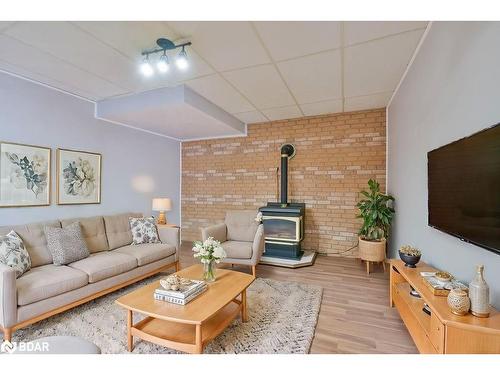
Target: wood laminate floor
355,316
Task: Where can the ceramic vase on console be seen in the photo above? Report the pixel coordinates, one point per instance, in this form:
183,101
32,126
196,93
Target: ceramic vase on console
458,301
479,294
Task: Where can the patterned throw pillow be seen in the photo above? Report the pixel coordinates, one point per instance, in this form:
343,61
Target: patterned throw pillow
14,254
143,230
67,244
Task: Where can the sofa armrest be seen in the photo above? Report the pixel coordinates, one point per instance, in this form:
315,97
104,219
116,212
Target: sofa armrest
217,231
258,244
170,236
8,296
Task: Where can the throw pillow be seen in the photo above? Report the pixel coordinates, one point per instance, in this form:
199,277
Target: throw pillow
143,230
14,254
67,244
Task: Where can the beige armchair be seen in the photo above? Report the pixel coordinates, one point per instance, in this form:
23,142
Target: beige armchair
241,237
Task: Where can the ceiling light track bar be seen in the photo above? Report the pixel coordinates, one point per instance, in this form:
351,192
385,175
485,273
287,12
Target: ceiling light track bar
164,46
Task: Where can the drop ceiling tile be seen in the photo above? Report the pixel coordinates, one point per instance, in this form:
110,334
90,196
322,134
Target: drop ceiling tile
218,91
378,66
367,102
33,60
70,44
5,25
29,75
282,113
225,45
285,40
262,85
129,37
314,78
362,31
322,108
250,117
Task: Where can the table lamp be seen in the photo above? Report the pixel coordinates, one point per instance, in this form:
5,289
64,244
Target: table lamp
162,205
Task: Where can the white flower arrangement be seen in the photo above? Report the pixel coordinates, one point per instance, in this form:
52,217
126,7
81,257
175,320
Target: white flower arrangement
209,250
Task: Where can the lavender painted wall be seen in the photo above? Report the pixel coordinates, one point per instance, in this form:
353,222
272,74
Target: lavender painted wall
451,91
137,166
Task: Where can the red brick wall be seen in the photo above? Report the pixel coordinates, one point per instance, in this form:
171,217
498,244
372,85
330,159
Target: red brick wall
336,155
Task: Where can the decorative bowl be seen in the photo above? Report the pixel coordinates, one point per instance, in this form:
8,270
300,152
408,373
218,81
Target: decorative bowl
410,260
443,276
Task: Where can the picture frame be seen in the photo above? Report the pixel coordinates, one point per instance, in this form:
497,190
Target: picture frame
78,177
25,175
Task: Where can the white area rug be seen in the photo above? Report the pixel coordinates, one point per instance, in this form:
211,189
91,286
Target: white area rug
282,319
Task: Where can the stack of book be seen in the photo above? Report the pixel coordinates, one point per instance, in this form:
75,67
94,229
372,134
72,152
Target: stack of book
185,294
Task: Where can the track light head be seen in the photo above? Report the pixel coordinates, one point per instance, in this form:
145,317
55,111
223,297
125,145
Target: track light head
181,60
163,65
146,68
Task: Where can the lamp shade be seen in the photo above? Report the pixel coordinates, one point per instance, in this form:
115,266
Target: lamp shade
162,204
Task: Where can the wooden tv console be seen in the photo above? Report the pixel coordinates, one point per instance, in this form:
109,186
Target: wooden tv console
442,331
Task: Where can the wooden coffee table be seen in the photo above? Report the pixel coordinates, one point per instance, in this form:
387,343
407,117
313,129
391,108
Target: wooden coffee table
187,328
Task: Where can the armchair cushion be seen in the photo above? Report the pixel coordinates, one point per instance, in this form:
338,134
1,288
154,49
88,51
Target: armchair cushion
241,225
238,249
217,231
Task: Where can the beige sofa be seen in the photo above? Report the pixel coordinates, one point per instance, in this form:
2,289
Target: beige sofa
48,289
241,237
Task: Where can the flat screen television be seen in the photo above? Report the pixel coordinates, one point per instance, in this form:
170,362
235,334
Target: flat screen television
464,188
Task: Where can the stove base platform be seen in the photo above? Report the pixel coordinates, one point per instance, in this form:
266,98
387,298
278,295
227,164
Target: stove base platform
307,259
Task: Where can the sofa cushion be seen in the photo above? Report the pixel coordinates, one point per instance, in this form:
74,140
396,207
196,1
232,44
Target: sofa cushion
238,249
34,240
47,281
14,254
67,244
147,253
93,231
103,265
241,225
143,230
118,229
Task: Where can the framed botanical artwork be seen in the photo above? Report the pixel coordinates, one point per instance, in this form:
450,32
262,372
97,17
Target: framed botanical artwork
24,175
78,177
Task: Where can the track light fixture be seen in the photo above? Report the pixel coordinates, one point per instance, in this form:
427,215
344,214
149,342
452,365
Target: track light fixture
163,63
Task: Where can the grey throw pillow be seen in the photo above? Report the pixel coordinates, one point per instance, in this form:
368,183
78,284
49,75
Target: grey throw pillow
143,230
14,254
67,244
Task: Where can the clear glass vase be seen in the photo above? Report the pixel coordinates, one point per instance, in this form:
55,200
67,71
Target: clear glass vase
209,271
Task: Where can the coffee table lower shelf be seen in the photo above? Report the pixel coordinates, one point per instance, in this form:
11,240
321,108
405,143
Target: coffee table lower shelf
185,337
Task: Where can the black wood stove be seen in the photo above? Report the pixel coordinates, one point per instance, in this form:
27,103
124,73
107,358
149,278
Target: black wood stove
283,221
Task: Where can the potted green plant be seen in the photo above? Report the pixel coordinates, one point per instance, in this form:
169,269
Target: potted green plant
377,213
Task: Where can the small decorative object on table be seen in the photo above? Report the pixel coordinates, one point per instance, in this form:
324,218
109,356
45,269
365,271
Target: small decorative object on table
479,293
440,283
210,252
410,255
179,290
443,276
458,301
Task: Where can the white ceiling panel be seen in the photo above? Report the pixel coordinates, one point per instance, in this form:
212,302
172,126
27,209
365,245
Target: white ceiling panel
314,78
367,102
378,66
74,46
33,60
221,93
225,45
282,113
30,75
129,37
321,108
250,117
363,31
286,40
262,85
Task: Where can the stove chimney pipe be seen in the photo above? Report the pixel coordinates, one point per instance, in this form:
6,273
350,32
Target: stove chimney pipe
287,152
